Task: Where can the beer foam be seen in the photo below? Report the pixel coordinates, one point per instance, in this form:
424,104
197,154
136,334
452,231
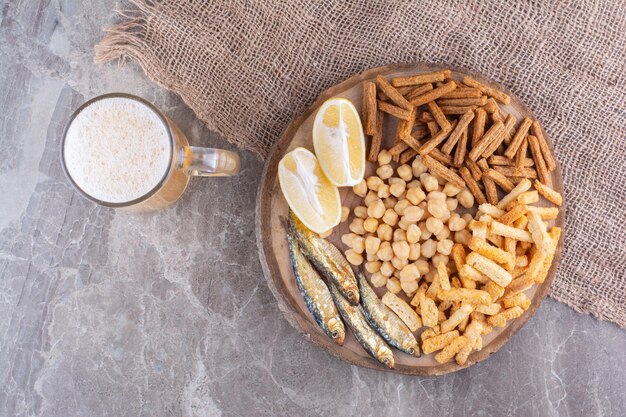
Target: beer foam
117,149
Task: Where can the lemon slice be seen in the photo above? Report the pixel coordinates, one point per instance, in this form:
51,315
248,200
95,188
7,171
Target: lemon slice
339,143
308,192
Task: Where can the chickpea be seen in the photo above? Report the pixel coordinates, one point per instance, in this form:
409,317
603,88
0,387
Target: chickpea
384,157
401,249
426,234
424,206
357,226
452,203
401,206
414,251
429,182
347,238
466,199
415,195
378,280
456,223
387,269
390,217
413,184
418,167
372,244
428,249
413,233
436,195
446,215
467,217
399,235
405,172
353,257
397,189
396,273
384,232
358,244
383,191
396,180
390,202
444,246
422,266
434,225
413,213
360,212
444,234
374,182
385,253
373,267
409,286
437,208
371,257
399,263
360,189
393,285
370,198
404,223
376,209
439,258
451,190
384,172
410,272
370,225
463,236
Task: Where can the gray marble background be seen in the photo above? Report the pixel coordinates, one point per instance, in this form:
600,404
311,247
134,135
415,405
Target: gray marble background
105,313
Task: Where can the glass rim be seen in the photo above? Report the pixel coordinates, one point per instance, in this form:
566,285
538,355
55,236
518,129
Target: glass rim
159,184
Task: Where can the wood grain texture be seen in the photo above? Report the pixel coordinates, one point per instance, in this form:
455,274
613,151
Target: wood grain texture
271,210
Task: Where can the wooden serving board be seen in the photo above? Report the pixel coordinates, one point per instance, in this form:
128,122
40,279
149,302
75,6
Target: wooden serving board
271,211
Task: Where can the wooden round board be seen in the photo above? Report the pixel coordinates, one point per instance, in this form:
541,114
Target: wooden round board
271,212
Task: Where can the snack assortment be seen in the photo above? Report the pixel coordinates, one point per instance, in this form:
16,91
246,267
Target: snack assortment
446,227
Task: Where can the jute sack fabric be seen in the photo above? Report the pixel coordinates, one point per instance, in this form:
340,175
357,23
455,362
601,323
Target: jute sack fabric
248,67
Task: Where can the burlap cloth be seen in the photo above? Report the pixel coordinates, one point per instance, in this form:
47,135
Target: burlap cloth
248,67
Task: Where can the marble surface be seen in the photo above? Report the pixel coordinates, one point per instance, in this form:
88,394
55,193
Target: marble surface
106,313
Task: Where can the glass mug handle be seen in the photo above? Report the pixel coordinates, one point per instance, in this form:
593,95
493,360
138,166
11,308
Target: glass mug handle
208,162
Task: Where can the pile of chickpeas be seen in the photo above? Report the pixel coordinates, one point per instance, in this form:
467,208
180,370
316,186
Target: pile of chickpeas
407,224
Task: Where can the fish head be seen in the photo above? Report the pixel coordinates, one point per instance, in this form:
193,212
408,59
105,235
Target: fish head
411,347
385,355
337,330
353,295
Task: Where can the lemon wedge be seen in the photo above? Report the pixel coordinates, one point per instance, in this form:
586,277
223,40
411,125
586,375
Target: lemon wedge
339,142
308,192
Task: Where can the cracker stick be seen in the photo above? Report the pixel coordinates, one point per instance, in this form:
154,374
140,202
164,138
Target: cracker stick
402,90
509,124
457,132
519,136
499,179
501,229
433,94
520,156
442,276
429,333
522,187
548,193
546,213
474,169
536,130
528,197
513,214
437,114
463,93
491,107
478,127
418,91
479,228
511,171
403,310
470,273
490,252
494,144
428,311
519,284
438,169
407,156
465,295
490,186
432,77
425,117
517,300
472,333
496,291
484,142
472,185
456,110
536,264
488,267
377,138
398,148
537,229
433,128
445,159
369,111
555,234
451,350
489,309
415,301
500,319
436,140
435,343
412,142
479,101
500,160
457,317
498,95
461,149
392,93
395,111
535,150
491,210
404,128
